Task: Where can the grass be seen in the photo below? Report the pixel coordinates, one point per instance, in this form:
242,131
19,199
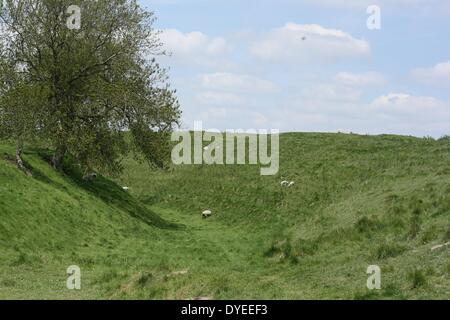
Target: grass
417,279
357,201
389,250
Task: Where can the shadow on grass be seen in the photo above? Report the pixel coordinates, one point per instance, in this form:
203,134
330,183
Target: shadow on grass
107,191
112,194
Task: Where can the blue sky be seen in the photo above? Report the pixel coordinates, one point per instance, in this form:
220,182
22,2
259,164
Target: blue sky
309,65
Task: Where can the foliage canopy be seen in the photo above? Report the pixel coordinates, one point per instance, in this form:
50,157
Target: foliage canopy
95,92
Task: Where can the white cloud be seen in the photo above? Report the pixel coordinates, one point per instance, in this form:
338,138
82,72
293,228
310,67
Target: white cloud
236,82
308,43
259,119
396,113
214,113
404,100
193,47
311,101
438,75
404,113
403,105
233,118
336,96
362,79
222,99
331,92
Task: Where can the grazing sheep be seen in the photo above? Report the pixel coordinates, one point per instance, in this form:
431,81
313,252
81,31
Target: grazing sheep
206,214
126,188
287,183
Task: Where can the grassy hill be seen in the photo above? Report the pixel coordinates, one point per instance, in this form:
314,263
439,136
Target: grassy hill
357,201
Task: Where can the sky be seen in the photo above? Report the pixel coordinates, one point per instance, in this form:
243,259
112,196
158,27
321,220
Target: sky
309,65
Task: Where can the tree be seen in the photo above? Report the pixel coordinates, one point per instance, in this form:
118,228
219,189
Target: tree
18,109
95,91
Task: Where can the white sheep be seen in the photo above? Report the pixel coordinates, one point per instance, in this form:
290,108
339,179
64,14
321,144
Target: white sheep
287,183
206,214
126,188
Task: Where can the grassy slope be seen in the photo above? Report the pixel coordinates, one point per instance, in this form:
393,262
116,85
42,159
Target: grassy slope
357,201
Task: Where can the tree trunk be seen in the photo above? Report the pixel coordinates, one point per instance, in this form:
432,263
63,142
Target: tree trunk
19,160
58,158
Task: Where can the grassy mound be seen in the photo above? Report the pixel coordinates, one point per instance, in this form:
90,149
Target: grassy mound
357,201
